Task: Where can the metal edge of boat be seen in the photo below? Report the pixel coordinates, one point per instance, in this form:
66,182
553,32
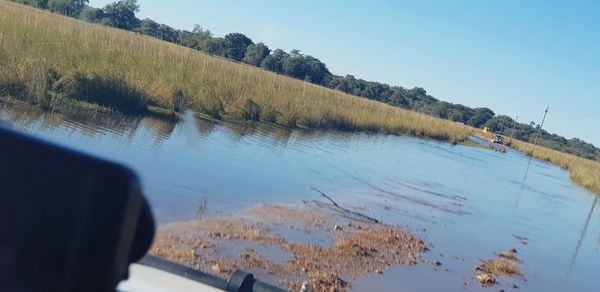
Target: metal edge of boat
156,274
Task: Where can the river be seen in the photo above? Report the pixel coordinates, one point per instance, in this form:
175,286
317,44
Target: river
466,202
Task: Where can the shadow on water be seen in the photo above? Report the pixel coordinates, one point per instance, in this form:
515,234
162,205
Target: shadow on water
449,151
424,203
408,185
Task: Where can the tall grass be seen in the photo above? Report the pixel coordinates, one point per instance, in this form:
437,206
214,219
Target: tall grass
45,56
166,75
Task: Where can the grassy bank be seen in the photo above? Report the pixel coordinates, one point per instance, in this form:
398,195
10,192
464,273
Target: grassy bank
45,55
584,172
52,60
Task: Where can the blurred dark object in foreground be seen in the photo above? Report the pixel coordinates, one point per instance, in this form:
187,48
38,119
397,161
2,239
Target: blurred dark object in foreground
71,222
68,221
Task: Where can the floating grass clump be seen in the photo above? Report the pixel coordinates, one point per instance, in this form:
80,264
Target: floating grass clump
126,71
500,267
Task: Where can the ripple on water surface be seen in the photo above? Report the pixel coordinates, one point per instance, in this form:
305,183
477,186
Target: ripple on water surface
466,202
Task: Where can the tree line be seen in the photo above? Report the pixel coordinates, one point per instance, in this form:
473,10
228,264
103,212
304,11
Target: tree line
238,47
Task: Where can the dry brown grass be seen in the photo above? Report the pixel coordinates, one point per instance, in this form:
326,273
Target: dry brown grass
276,213
500,267
509,256
351,248
155,70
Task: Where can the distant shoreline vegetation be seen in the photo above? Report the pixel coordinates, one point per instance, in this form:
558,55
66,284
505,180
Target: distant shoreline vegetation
240,48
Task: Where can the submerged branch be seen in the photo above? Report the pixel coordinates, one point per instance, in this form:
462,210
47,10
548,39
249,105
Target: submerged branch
335,204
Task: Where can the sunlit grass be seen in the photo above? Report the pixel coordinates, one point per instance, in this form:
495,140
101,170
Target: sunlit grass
155,70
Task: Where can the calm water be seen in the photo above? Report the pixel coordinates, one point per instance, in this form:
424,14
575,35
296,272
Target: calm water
466,202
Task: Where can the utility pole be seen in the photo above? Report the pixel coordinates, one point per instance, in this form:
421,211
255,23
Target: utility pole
539,131
512,133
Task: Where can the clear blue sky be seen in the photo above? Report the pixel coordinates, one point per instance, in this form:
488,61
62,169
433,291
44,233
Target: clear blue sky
515,57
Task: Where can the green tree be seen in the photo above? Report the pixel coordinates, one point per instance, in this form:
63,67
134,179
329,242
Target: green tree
256,53
195,39
315,71
304,67
274,61
236,44
121,14
149,27
35,3
294,65
186,38
91,14
167,33
201,32
160,31
456,116
500,124
67,7
480,117
397,98
216,46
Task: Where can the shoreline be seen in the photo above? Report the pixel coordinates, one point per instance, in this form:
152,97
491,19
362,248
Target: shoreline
290,246
583,172
314,243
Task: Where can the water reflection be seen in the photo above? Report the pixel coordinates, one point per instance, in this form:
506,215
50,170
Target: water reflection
523,184
204,127
93,124
160,128
463,197
89,124
582,236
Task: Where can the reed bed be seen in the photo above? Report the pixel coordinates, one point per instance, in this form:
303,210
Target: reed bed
67,53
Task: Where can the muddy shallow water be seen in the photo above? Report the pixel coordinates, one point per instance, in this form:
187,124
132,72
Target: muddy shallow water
466,203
